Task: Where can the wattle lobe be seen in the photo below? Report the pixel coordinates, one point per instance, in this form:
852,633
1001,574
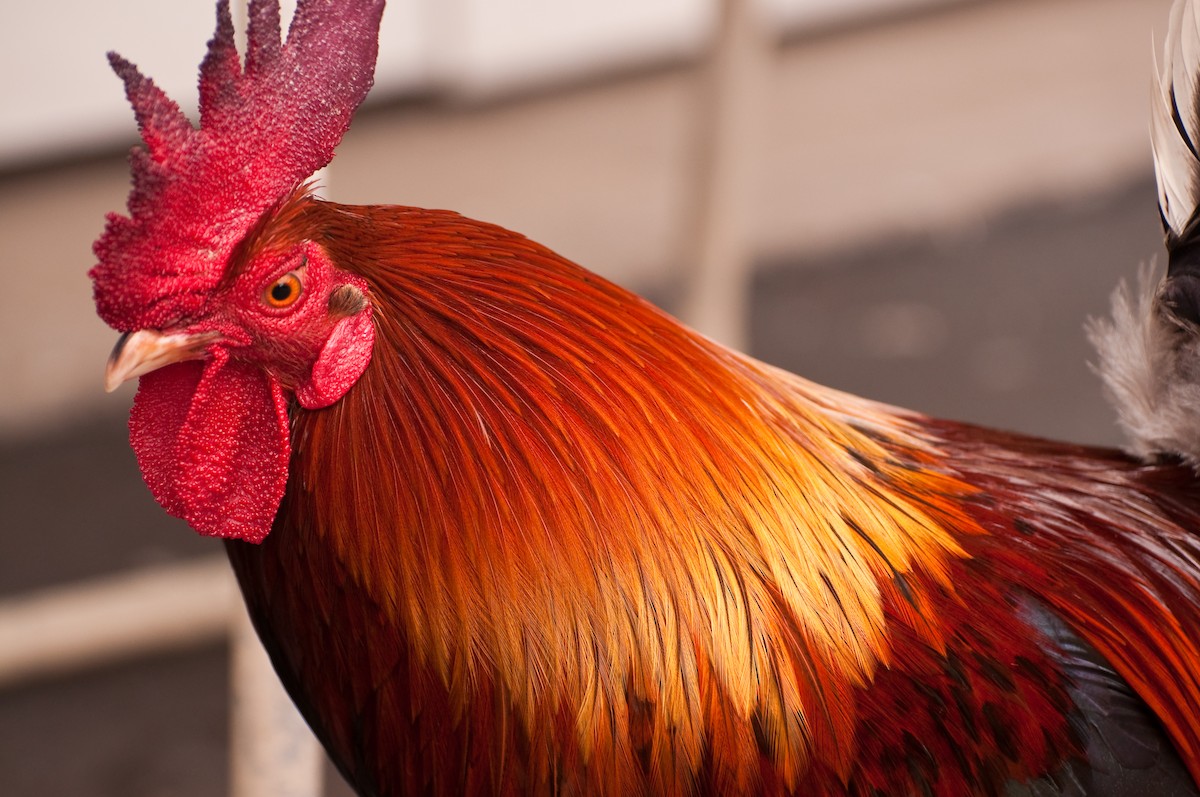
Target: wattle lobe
212,442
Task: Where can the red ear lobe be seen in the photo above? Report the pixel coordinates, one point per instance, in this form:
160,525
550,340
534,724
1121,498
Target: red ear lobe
212,440
342,361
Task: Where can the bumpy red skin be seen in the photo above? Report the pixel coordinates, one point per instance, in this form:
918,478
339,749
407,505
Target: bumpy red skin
1104,543
264,127
212,438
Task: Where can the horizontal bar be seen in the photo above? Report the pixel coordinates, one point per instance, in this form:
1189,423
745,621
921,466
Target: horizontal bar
67,629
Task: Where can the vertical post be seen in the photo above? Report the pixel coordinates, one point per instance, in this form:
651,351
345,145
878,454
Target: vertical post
730,106
273,752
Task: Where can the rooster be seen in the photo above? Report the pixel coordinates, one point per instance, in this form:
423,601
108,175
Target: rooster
506,528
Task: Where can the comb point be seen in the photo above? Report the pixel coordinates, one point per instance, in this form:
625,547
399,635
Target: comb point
263,130
262,35
163,126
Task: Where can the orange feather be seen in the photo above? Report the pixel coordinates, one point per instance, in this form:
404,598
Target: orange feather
554,541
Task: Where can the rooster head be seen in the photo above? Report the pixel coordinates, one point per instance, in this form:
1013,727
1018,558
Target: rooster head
229,309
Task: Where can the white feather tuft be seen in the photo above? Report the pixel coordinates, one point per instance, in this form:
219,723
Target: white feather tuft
1150,348
1150,364
1174,119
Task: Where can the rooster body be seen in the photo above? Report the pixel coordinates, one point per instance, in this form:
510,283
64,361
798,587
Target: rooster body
519,532
620,559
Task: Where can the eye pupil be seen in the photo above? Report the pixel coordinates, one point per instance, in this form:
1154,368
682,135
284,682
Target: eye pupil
283,292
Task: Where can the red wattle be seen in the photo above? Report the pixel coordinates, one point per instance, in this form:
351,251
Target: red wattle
212,441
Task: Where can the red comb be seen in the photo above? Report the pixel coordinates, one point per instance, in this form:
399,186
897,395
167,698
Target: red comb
263,129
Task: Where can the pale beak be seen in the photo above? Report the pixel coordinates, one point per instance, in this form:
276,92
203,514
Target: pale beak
146,350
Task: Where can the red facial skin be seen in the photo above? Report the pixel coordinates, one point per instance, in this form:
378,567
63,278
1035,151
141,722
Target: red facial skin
212,436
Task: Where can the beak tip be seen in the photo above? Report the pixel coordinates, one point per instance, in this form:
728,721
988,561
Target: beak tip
113,376
139,353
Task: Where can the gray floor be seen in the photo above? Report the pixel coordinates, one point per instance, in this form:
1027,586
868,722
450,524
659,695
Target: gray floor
984,325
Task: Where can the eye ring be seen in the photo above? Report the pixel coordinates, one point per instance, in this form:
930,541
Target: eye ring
283,292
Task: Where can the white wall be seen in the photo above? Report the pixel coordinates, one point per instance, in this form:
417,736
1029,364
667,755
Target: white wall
58,95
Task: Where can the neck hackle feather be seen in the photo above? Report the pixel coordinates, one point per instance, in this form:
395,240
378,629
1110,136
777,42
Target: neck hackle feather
603,553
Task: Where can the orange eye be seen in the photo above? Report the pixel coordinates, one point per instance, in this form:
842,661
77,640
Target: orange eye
283,292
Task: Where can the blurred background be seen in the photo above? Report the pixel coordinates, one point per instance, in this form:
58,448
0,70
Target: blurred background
917,200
